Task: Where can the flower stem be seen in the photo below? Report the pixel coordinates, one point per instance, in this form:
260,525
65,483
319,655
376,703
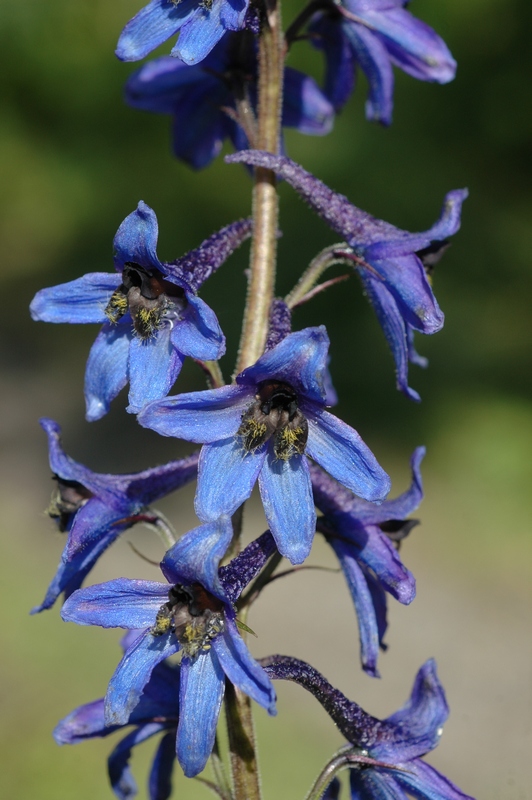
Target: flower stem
242,745
327,258
261,278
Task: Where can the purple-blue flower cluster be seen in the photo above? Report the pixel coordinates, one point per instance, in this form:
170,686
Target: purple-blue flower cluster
185,650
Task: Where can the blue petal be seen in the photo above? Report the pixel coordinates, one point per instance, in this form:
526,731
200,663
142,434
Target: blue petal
374,784
423,781
154,365
199,416
226,477
305,107
61,464
378,553
374,61
160,84
405,278
136,239
120,776
241,669
419,722
122,603
82,300
199,125
107,368
202,31
340,450
328,35
93,521
406,503
160,781
412,44
233,14
83,723
152,26
73,568
367,621
133,673
196,556
449,221
300,360
198,334
332,791
200,700
286,493
395,330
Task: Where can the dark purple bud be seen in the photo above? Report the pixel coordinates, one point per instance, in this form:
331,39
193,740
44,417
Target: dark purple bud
280,322
235,576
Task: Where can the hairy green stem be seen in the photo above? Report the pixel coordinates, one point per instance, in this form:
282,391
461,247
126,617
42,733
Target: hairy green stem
261,277
340,761
327,258
242,744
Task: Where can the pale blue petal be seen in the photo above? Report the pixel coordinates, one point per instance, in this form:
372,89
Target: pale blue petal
340,450
107,368
199,416
154,365
201,33
133,673
226,476
122,603
82,300
198,333
196,556
286,493
152,26
136,239
200,699
242,670
424,782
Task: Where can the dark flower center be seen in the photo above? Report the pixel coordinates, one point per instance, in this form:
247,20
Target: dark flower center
67,498
150,299
194,615
274,413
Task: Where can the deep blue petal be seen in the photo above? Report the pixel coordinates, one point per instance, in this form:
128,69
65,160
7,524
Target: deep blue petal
154,365
406,503
73,569
160,781
84,722
122,603
424,782
419,722
305,107
328,35
199,416
374,61
286,494
200,699
61,464
202,31
374,784
362,599
136,239
233,14
340,450
199,126
120,776
412,44
241,669
300,360
107,368
82,300
196,556
133,673
142,488
332,792
160,84
226,477
394,327
198,333
152,26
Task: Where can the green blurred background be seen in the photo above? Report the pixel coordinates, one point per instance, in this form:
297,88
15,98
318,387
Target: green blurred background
74,162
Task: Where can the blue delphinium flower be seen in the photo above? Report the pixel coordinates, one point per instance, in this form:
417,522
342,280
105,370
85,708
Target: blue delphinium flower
262,428
200,23
152,315
95,508
374,35
157,712
386,756
363,536
393,265
194,615
204,100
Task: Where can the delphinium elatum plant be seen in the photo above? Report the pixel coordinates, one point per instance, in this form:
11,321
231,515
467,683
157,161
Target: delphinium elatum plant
185,643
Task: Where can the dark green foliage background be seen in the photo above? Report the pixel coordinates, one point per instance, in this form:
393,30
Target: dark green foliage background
75,161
